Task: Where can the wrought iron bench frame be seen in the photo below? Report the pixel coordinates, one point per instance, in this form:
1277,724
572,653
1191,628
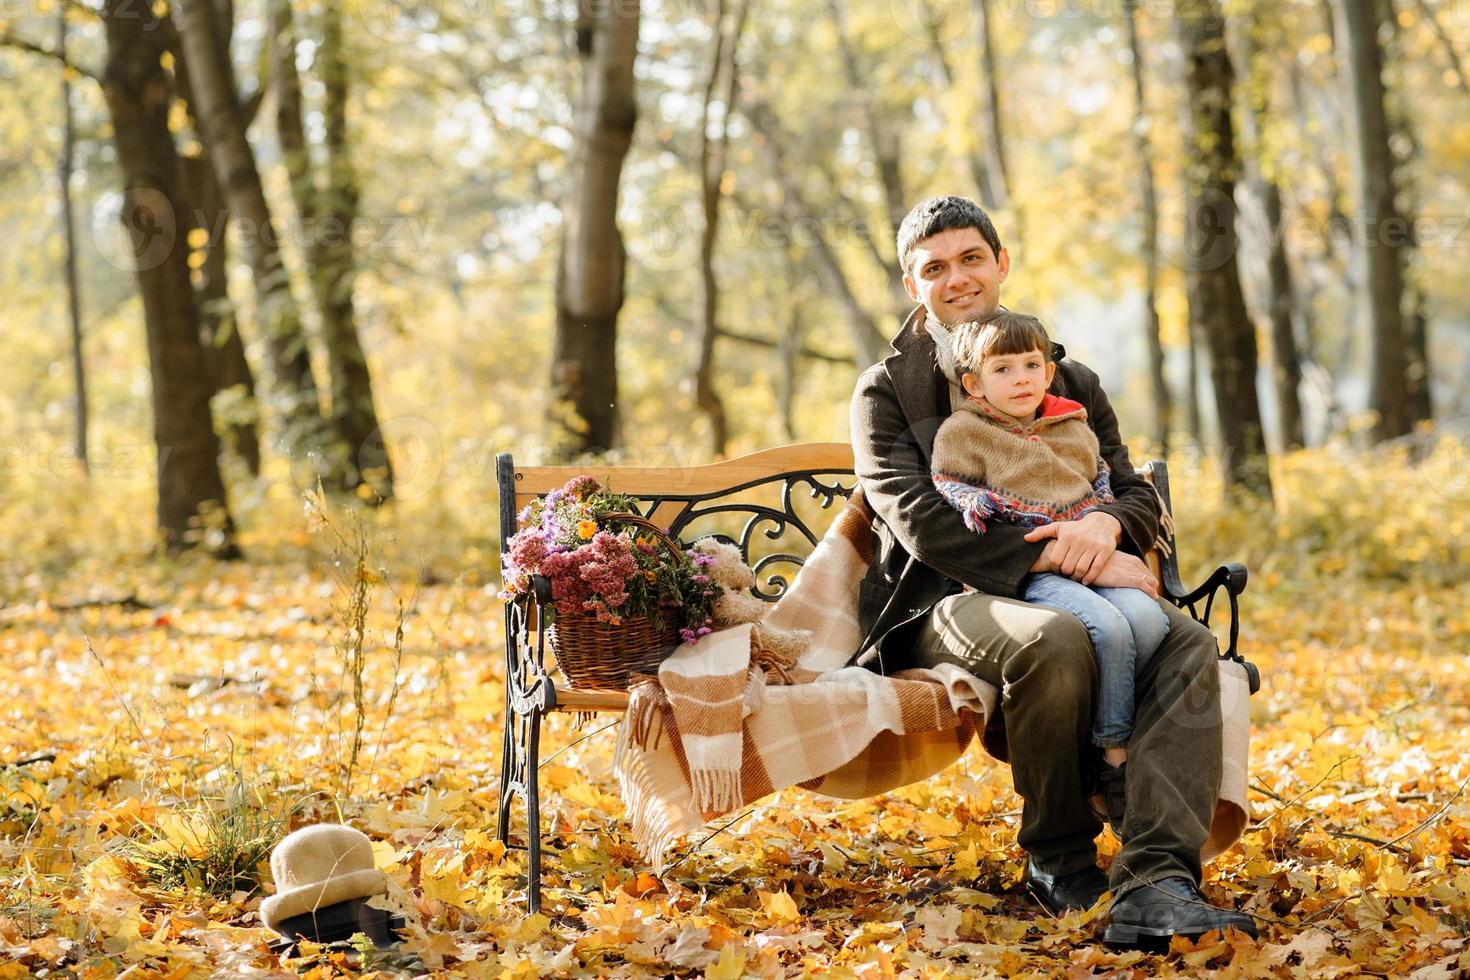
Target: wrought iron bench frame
676,497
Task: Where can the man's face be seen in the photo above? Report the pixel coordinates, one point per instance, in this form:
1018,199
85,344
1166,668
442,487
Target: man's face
956,275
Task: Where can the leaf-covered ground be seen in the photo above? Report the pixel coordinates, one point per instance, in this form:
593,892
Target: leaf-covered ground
165,722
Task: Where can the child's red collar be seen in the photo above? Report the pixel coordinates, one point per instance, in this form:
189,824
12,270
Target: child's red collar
1053,405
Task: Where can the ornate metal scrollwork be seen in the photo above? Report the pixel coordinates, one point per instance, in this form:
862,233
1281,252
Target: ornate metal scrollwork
773,521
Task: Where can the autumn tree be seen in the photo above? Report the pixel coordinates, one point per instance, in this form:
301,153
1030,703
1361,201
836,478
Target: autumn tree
1382,234
192,507
712,157
237,414
589,285
65,168
798,213
222,128
1404,124
1148,205
326,211
1286,373
1216,303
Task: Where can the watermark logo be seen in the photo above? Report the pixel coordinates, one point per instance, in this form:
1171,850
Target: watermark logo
1198,235
417,453
135,230
932,21
1445,458
664,229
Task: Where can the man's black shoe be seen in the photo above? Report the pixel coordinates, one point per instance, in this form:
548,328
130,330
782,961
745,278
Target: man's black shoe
1065,893
1148,916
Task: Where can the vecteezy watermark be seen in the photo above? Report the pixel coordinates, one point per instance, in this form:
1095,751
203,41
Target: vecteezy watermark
423,457
944,21
664,229
1203,235
933,21
1198,235
46,460
1450,440
1108,10
416,450
392,20
136,230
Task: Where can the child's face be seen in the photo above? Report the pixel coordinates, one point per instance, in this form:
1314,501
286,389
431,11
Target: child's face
1012,383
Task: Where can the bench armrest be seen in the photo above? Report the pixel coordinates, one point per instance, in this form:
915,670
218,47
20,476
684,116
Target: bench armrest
527,684
1200,601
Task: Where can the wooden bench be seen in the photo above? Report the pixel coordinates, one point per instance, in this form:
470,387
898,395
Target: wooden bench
775,505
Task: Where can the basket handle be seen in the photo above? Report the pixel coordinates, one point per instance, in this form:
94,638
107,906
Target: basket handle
647,525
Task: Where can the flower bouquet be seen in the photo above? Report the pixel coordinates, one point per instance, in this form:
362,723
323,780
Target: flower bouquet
622,593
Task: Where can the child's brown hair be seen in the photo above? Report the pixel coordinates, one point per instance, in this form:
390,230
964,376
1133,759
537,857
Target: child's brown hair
1003,332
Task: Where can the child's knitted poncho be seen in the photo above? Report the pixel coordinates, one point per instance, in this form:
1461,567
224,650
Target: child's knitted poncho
991,467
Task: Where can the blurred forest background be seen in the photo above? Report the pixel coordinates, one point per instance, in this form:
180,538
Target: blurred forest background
270,230
246,245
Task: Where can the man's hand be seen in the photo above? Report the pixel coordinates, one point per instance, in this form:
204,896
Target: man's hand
1125,571
1082,547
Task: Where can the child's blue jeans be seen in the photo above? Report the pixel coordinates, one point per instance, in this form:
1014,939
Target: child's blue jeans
1126,627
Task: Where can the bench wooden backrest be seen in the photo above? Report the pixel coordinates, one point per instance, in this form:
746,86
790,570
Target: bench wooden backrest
680,498
733,498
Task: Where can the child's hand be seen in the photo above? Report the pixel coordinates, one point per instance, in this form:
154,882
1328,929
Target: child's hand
1083,546
1125,571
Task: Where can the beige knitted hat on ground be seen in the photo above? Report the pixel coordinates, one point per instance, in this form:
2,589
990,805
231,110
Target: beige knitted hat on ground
319,866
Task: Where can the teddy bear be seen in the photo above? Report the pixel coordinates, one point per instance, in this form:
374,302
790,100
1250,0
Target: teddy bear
736,605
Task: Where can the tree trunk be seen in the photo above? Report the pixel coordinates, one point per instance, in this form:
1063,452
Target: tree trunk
1285,363
1149,203
1194,418
325,219
975,157
354,412
69,238
1286,368
711,172
1383,233
223,348
1416,317
192,508
1216,303
238,415
589,287
883,141
994,144
868,342
222,130
789,346
886,159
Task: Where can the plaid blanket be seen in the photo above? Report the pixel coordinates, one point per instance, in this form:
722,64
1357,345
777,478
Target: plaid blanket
720,728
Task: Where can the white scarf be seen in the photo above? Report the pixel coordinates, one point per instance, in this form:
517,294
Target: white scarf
943,348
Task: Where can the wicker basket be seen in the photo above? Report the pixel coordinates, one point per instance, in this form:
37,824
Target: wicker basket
602,656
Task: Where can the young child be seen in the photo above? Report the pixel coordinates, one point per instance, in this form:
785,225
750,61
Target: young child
1012,452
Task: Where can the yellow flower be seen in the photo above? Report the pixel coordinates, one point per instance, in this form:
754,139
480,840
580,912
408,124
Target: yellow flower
650,575
586,529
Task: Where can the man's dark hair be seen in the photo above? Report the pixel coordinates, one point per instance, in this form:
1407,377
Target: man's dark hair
1003,332
936,214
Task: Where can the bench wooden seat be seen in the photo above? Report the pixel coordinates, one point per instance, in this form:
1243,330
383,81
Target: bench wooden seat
775,505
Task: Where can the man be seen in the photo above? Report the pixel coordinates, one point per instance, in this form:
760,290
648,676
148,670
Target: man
915,611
